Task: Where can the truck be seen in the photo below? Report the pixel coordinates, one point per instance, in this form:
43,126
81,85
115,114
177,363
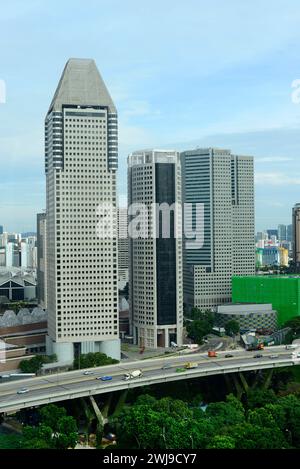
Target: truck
212,353
133,374
190,365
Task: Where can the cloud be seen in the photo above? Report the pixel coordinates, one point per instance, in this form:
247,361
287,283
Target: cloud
277,179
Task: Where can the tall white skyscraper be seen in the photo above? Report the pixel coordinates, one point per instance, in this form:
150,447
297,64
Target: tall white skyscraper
224,184
81,134
155,261
122,247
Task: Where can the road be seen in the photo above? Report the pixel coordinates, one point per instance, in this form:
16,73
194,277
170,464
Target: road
74,384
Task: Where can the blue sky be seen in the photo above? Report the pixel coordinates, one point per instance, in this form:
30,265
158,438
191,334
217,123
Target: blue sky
181,74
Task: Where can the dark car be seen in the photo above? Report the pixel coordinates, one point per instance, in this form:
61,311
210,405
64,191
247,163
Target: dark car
228,355
258,355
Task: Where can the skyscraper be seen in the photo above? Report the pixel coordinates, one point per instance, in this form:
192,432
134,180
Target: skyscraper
81,130
222,183
122,247
296,234
155,256
282,233
1,229
42,260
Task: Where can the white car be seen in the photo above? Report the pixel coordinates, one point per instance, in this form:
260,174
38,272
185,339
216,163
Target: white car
23,391
88,373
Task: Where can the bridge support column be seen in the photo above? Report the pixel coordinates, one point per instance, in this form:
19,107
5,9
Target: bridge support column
267,379
121,402
244,382
238,387
101,419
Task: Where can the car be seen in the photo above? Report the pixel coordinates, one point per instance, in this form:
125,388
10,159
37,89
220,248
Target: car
258,355
105,378
23,391
180,370
166,366
88,373
228,355
5,376
274,356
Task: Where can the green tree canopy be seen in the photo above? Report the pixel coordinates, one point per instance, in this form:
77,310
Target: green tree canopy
232,327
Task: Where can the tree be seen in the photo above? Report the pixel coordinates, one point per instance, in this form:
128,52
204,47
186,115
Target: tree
225,413
260,397
56,430
248,436
90,360
294,324
222,442
232,327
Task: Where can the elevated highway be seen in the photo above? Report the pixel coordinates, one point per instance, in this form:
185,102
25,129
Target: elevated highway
74,384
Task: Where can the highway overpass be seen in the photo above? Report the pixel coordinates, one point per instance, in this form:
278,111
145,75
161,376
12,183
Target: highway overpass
74,384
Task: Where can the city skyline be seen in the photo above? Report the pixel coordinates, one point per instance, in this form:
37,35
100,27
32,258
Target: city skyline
244,85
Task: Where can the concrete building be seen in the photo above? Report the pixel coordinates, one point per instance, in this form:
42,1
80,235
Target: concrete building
1,229
12,255
155,258
296,234
249,316
282,233
42,260
81,135
282,291
223,184
123,274
271,256
17,286
289,233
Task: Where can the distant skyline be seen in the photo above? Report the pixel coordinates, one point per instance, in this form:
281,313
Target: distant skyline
182,74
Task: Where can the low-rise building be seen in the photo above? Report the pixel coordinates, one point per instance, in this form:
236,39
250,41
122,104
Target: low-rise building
249,316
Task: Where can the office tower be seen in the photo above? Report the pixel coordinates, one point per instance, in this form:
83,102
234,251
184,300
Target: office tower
81,133
289,233
122,247
1,229
222,183
272,233
296,233
155,255
42,260
12,254
282,233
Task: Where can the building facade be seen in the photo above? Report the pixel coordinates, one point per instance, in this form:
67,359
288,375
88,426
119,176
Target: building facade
42,260
155,256
249,316
222,183
296,234
282,291
81,134
123,275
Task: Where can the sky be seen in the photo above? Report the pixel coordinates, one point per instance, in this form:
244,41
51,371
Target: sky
182,74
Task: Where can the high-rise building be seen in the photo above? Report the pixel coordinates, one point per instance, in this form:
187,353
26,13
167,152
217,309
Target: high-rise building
272,233
81,134
222,183
155,254
122,247
296,234
1,229
282,233
42,260
289,233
